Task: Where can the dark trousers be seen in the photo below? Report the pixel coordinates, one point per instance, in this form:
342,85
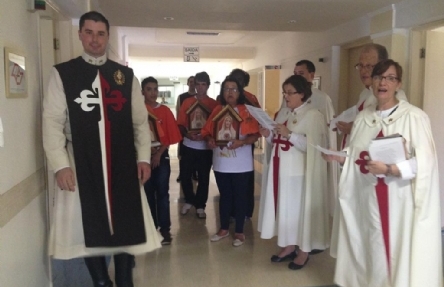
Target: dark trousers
201,161
123,265
233,196
250,192
157,191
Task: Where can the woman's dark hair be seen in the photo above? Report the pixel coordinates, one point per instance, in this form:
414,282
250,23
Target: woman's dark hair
300,84
94,16
240,89
384,65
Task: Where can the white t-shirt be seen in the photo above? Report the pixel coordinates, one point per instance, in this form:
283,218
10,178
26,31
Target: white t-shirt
233,161
200,145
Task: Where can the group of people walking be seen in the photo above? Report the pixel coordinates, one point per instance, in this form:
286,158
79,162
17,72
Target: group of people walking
105,145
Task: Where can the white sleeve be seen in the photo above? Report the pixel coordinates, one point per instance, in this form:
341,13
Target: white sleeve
299,141
142,137
269,139
54,119
408,168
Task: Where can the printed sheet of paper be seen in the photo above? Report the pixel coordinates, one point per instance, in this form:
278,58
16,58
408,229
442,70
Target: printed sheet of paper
331,152
262,117
347,116
389,150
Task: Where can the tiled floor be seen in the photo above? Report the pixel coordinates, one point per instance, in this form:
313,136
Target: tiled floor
193,261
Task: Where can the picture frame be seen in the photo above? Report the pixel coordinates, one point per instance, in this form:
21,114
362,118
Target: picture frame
16,85
152,122
226,126
197,117
316,83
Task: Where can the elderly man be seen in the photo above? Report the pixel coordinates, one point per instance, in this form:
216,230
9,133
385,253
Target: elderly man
96,138
371,54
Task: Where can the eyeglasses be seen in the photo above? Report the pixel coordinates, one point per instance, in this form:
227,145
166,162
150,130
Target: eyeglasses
289,93
366,67
227,90
391,79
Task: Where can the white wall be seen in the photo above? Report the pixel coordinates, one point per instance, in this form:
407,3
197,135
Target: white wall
287,48
22,237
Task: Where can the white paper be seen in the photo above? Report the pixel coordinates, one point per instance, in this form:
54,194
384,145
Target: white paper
347,116
389,150
331,152
2,141
262,117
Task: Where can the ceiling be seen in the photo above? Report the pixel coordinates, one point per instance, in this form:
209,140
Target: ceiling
156,30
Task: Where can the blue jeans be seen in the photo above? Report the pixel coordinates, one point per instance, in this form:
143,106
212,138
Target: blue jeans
233,188
157,191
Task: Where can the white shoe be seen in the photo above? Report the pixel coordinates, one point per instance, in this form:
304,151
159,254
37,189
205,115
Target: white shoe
185,208
201,213
216,237
237,242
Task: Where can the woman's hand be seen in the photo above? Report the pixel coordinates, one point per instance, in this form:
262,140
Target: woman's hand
265,132
377,167
211,143
234,144
282,130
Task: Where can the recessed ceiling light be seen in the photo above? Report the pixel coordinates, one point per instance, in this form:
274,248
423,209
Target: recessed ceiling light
168,18
198,33
291,21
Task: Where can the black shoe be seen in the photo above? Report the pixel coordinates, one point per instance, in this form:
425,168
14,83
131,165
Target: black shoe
294,266
166,238
194,176
315,251
278,259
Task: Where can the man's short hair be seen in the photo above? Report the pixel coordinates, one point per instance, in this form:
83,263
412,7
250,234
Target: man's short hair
94,16
202,77
149,80
309,64
189,78
380,50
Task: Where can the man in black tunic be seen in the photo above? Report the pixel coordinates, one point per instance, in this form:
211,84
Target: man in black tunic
97,141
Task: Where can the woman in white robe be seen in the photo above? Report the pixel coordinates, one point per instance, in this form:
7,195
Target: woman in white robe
294,202
389,231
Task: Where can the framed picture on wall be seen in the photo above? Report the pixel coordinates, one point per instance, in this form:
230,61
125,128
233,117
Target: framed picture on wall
15,74
317,82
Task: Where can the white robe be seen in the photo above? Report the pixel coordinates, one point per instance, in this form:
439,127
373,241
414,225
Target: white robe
367,99
322,102
302,208
66,239
413,209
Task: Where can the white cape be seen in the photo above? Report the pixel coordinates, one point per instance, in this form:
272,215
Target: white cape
414,211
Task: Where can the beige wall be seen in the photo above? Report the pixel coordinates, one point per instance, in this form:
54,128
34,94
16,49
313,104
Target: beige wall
22,200
434,95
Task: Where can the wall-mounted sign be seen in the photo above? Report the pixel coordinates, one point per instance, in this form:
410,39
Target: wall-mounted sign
191,54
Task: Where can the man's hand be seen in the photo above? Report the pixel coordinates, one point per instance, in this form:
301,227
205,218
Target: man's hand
344,127
143,172
155,160
65,179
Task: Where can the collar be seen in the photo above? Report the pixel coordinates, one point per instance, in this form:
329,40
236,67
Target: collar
94,61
